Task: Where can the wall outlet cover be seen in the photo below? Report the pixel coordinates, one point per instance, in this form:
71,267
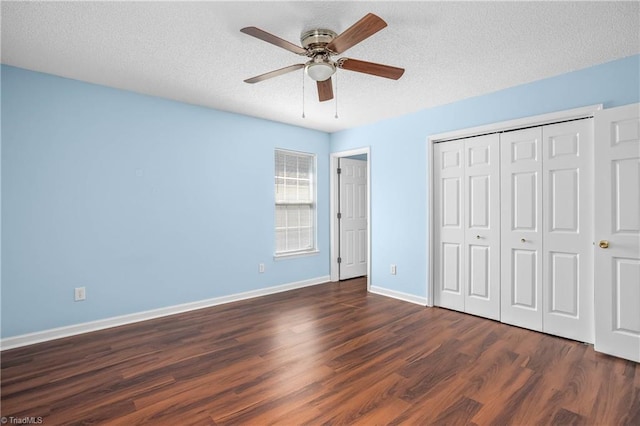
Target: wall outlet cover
79,294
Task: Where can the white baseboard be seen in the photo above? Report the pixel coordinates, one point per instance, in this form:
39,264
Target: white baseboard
72,330
399,295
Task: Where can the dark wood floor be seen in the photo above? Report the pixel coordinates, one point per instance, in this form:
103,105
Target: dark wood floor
329,354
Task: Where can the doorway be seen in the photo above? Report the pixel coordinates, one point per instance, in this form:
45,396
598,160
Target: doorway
350,212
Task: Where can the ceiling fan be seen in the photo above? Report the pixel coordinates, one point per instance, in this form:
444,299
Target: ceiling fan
319,45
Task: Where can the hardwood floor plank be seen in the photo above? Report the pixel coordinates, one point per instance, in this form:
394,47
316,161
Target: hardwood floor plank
633,415
460,412
384,414
359,399
326,354
566,417
430,373
426,408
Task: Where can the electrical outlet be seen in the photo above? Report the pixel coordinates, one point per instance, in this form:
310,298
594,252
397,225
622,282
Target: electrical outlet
261,268
79,294
393,269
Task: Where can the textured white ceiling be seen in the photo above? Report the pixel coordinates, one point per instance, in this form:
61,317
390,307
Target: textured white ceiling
194,52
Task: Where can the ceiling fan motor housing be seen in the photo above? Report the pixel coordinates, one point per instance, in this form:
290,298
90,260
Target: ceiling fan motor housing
317,40
320,67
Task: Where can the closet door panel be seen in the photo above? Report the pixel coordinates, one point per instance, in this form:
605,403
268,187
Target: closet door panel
521,229
568,234
449,256
482,223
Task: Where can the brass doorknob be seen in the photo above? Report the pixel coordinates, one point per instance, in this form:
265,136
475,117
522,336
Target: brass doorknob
604,244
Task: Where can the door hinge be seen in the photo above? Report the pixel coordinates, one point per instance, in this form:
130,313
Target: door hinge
339,170
339,260
339,215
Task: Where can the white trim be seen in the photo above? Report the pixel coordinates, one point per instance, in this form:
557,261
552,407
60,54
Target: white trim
295,254
422,301
352,152
533,121
430,175
333,205
87,327
536,120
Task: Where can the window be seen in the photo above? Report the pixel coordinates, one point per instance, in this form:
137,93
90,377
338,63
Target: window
295,202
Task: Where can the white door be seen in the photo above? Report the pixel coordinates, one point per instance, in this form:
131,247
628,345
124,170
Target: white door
567,262
353,218
482,226
467,218
521,229
448,164
617,231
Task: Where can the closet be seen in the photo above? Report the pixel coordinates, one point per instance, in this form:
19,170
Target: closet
512,230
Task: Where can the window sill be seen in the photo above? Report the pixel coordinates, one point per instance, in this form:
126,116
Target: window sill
296,254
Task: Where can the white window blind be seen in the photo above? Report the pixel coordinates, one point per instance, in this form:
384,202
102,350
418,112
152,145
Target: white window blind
295,204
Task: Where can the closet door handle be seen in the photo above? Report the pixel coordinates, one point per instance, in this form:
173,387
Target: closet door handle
522,240
604,244
477,237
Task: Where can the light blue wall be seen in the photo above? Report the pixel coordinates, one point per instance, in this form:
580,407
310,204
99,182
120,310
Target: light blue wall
398,160
146,202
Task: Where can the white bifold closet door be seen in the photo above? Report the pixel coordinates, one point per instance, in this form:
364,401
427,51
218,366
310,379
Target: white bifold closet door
467,193
448,164
567,246
547,215
521,216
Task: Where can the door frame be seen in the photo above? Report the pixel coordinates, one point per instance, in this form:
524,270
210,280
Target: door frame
334,202
503,126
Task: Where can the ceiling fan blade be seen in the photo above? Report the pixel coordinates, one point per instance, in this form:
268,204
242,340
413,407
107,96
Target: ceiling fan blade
364,28
325,90
379,70
275,73
270,38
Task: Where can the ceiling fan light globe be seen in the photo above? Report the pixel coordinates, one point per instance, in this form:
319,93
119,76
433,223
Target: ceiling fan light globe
320,71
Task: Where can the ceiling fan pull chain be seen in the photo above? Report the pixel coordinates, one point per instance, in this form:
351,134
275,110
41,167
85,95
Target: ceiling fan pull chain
336,74
303,116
